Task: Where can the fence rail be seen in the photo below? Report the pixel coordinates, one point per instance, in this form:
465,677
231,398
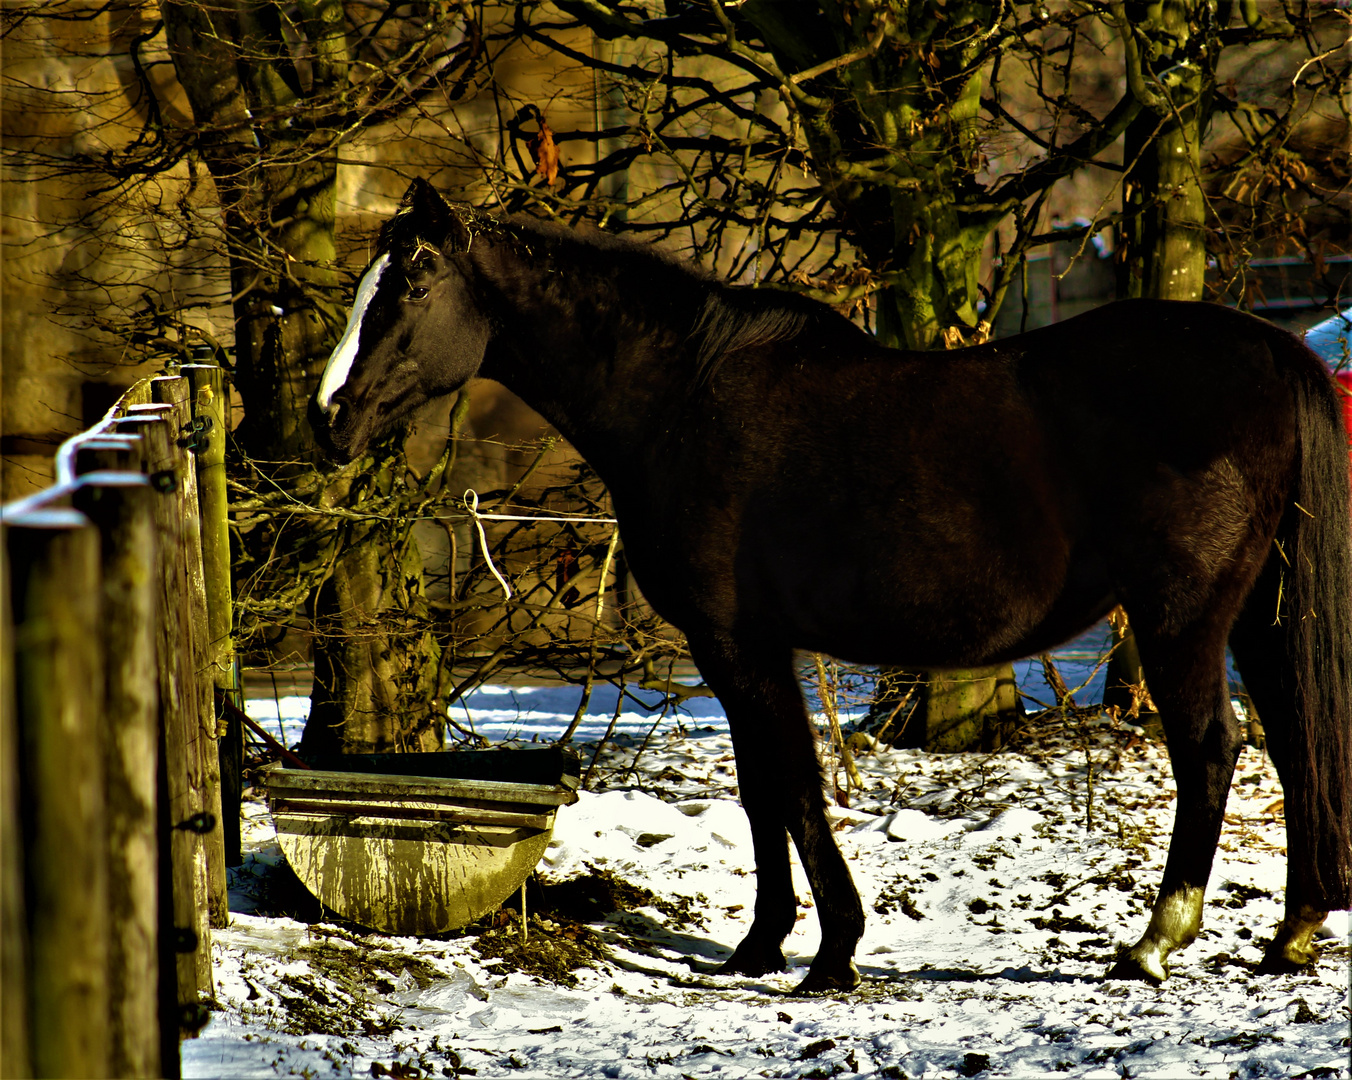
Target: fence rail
114,648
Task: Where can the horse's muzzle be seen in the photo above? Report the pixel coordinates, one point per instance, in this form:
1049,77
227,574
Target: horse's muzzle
322,426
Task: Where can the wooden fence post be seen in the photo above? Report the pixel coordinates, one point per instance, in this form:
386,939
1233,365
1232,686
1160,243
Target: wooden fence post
54,567
120,506
185,942
14,1060
209,425
109,777
175,391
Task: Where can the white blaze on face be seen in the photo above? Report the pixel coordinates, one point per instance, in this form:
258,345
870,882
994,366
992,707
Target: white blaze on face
340,363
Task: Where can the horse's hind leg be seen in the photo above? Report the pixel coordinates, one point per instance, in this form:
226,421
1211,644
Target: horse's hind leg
780,782
1260,651
1188,683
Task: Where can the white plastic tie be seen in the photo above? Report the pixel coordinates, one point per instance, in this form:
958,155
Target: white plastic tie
471,500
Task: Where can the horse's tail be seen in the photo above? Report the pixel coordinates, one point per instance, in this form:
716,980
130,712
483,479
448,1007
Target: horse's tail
1297,625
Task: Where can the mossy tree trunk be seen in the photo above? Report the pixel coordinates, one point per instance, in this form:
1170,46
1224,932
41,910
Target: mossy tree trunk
376,660
266,100
892,136
894,141
1171,71
1171,64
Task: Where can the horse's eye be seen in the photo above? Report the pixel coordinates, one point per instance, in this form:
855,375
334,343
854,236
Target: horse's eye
417,293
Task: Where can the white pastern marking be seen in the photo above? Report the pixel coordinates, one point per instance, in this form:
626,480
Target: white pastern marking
1177,918
340,362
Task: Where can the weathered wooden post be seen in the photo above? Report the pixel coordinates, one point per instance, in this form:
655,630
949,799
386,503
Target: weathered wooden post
120,506
55,595
185,943
175,391
209,429
14,1060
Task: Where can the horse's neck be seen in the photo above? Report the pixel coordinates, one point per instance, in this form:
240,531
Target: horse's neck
587,348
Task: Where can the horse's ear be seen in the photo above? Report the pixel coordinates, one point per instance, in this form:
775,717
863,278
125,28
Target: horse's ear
457,235
435,217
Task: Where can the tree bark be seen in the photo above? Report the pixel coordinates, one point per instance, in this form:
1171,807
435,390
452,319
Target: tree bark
1164,239
964,710
375,677
14,1056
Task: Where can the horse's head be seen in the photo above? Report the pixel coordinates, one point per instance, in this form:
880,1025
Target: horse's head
415,332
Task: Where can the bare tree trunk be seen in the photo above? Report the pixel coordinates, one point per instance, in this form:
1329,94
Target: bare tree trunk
1164,252
937,248
376,660
275,165
1162,244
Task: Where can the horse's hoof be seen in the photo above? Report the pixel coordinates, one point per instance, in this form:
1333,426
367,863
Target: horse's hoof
1287,960
819,981
754,962
1128,967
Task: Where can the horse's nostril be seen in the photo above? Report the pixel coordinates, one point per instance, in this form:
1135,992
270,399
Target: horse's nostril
321,418
325,412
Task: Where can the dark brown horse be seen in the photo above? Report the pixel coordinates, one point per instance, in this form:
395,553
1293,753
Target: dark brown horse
783,482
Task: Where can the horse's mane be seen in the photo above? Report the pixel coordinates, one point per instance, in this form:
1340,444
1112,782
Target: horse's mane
733,318
726,318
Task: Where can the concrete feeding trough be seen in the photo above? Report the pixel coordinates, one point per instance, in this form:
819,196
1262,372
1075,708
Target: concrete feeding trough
419,843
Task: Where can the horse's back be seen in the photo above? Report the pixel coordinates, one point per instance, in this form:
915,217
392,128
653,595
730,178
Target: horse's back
879,504
1141,386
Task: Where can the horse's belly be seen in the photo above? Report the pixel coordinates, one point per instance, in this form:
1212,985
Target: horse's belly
951,639
907,637
927,616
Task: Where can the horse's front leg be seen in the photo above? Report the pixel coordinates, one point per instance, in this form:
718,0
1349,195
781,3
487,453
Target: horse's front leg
780,781
1204,739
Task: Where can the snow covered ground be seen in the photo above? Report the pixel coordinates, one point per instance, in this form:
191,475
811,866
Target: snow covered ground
998,888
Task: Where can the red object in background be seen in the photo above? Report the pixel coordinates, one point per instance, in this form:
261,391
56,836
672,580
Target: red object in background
1331,341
